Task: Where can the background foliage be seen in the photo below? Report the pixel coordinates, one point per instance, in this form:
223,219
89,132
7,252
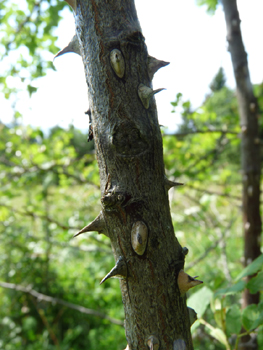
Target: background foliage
49,189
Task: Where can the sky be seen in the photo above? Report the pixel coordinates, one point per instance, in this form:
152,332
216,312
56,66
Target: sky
176,31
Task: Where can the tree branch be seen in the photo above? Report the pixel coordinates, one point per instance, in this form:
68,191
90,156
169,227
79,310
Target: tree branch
51,220
81,247
207,131
24,22
34,215
53,300
213,192
221,239
54,167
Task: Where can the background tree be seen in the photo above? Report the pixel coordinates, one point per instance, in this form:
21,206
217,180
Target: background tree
250,142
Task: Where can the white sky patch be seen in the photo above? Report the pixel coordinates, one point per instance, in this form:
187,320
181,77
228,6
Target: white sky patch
176,31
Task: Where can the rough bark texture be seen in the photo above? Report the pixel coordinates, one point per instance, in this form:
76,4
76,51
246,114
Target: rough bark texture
129,151
250,143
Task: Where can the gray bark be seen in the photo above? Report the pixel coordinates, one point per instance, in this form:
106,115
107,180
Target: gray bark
250,142
129,151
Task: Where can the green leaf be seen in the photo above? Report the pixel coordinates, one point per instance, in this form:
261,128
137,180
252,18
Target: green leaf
200,300
257,322
238,287
211,5
219,335
256,283
249,316
233,320
31,89
218,317
252,268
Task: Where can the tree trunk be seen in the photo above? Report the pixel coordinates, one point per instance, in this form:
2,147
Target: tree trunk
135,212
250,142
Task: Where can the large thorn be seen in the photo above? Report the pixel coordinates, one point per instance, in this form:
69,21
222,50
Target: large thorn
186,282
96,225
169,184
72,3
119,270
154,65
73,46
192,315
145,93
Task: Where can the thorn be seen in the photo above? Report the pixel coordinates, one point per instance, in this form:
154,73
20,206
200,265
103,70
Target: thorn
179,344
154,65
96,225
153,342
72,4
169,184
145,93
192,315
185,282
119,270
73,46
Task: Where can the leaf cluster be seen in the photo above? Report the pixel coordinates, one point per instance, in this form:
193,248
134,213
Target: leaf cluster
27,37
205,154
49,190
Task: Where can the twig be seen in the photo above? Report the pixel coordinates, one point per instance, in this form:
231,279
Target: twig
46,324
54,167
212,247
207,131
81,247
213,192
40,216
23,23
219,148
53,300
51,220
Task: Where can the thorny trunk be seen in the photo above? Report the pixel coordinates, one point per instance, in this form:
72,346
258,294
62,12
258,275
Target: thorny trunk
135,211
250,143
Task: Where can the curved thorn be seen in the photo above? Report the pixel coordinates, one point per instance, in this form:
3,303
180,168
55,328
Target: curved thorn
154,65
119,270
169,184
73,46
96,225
72,4
185,282
146,93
